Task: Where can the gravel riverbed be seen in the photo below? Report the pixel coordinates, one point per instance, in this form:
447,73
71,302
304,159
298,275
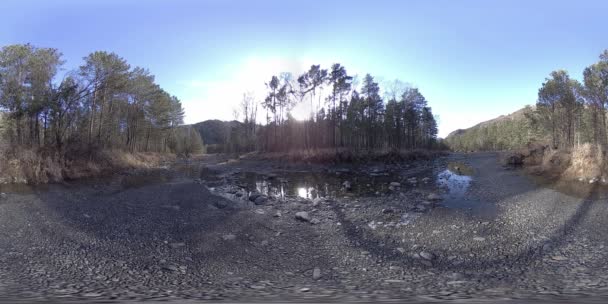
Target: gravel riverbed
208,231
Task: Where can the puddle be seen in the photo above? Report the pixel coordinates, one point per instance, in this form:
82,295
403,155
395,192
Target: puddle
456,179
311,185
22,188
581,190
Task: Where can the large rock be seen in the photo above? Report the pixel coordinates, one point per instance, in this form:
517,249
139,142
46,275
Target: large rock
302,216
254,195
261,200
220,204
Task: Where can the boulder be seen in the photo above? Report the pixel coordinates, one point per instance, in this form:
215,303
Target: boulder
302,216
261,200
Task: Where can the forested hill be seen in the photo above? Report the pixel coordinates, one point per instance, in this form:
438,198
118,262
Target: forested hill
214,131
505,132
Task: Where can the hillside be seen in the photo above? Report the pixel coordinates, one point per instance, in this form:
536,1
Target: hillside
506,132
216,133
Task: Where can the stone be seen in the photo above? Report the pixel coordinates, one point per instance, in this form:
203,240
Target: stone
305,289
2,195
260,200
420,208
220,204
433,197
347,185
427,255
302,216
426,180
177,245
317,201
315,221
316,273
395,184
254,195
387,210
559,258
169,267
278,214
479,239
228,237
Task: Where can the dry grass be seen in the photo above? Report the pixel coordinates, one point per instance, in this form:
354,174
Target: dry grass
30,166
586,162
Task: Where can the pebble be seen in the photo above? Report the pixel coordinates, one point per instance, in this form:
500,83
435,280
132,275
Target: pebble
228,237
427,255
316,273
177,245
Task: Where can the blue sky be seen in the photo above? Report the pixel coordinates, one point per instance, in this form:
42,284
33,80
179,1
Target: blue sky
473,60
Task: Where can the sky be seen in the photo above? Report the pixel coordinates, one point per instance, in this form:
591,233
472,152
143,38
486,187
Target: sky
473,60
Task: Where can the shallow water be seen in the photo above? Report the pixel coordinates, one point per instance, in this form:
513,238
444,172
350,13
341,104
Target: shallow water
456,180
311,185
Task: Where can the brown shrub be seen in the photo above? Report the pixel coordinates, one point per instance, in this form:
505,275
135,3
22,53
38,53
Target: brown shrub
36,166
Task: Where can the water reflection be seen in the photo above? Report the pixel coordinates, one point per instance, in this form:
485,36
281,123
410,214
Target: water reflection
311,185
457,179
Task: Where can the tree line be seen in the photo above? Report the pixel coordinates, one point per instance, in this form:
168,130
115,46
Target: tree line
342,115
567,113
103,104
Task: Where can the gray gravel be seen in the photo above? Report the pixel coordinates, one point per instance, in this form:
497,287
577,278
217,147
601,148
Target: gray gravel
189,239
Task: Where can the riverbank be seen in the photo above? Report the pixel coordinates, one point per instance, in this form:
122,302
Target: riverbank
28,166
584,163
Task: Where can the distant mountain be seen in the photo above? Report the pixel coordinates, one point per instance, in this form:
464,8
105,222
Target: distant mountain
506,132
215,132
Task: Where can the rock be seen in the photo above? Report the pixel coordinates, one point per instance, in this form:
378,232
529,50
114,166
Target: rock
316,273
264,243
559,258
426,180
434,197
2,195
278,214
426,263
317,201
401,250
479,239
347,185
427,203
169,267
220,204
395,184
420,208
315,221
177,245
260,211
302,216
228,237
388,210
261,200
427,255
254,195
305,289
